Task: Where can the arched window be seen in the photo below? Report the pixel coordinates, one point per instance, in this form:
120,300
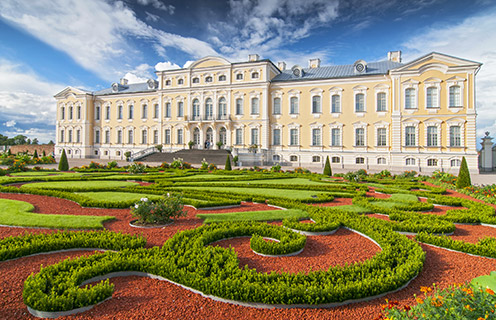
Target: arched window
239,76
293,158
196,80
222,77
239,106
276,157
454,96
78,113
410,161
455,163
180,81
335,160
222,108
208,79
168,82
70,112
209,135
255,75
316,159
381,160
223,136
209,107
359,160
432,162
196,109
62,113
196,136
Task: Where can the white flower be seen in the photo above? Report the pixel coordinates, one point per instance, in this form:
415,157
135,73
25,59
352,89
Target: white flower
136,206
144,199
168,194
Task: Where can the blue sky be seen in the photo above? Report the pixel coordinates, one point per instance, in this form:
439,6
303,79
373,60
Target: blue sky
46,45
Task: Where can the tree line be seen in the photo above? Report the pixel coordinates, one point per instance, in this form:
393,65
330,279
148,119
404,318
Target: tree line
18,140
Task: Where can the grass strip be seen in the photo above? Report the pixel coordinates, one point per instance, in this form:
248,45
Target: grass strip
268,215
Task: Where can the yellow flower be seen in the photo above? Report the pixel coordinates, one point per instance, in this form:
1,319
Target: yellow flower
488,290
468,307
425,289
419,300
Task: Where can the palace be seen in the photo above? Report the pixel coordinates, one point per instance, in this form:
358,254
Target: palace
390,115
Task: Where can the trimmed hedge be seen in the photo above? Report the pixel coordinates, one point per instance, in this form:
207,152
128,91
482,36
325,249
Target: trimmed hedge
485,247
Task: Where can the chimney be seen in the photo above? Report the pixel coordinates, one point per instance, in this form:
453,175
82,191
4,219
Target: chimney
314,63
281,65
394,56
253,57
123,81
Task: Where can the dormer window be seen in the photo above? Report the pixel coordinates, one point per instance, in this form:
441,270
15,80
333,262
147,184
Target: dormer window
297,71
152,84
208,79
360,67
180,81
254,75
196,80
222,78
239,76
168,82
115,87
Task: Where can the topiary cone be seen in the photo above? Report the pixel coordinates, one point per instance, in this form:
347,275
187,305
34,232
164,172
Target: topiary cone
327,168
228,164
463,179
63,163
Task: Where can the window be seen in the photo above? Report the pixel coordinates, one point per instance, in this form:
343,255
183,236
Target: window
222,108
432,136
119,136
454,96
209,108
276,157
78,136
222,78
336,160
336,103
431,101
293,102
254,106
239,106
410,161
107,136
117,153
208,79
293,133
239,136
293,158
97,113
180,81
254,136
156,111
277,106
455,138
455,163
62,113
276,137
410,98
61,135
359,137
78,113
359,102
196,80
239,76
180,109
69,138
144,136
316,137
97,136
254,75
381,101
168,110
70,113
130,136
359,160
316,159
381,137
316,106
168,82
167,136
119,112
381,160
179,136
107,113
432,162
144,111
410,140
131,112
196,109
335,137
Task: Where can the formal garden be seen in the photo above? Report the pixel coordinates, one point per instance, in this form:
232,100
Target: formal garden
173,241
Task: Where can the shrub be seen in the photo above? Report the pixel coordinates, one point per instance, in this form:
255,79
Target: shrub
327,168
136,167
35,155
235,160
276,168
17,165
63,163
463,179
191,144
228,163
112,164
204,164
127,154
44,153
164,165
159,211
180,164
408,174
159,147
95,165
212,167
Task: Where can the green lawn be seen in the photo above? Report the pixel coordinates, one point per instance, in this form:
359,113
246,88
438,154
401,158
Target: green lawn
118,196
353,208
283,193
79,185
269,215
403,197
19,213
288,182
36,173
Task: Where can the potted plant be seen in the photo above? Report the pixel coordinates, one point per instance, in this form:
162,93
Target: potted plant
219,144
159,147
191,144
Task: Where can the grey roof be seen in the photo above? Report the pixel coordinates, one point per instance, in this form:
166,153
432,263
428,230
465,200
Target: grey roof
128,88
343,71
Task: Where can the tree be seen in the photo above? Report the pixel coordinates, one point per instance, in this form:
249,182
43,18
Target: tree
228,164
19,139
327,168
9,153
35,141
51,142
63,163
463,179
44,153
35,155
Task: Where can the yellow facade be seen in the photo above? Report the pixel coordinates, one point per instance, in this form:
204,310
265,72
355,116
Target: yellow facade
386,115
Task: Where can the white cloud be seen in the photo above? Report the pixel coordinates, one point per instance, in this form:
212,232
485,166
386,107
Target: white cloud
10,123
167,65
157,4
95,33
151,17
471,39
187,63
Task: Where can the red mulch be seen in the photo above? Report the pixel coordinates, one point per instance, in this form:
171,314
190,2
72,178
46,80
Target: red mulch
143,298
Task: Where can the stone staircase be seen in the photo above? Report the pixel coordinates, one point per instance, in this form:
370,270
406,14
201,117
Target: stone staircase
194,156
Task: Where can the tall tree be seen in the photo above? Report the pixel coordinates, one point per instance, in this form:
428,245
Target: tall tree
20,139
463,179
63,163
228,164
327,168
35,141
